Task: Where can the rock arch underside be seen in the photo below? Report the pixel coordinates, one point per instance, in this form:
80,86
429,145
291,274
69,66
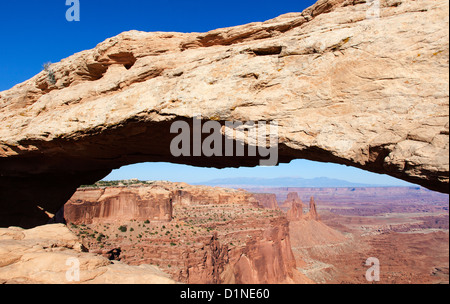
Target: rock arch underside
365,92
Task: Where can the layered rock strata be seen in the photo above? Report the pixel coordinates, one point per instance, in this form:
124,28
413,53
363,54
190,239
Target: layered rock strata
216,235
115,204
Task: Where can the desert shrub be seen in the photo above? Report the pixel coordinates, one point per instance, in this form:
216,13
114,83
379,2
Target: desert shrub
50,74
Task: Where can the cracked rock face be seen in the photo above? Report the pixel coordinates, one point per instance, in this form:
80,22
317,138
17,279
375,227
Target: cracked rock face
365,92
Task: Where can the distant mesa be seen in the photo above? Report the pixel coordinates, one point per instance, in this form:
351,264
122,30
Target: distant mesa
320,182
112,201
111,204
267,200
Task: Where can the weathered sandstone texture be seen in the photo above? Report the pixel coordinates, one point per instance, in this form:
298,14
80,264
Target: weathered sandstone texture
365,92
114,204
46,255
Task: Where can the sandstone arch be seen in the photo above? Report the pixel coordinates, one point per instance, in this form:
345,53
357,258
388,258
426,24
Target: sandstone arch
369,93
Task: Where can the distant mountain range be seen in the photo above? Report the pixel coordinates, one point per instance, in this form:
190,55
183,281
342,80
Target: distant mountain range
320,182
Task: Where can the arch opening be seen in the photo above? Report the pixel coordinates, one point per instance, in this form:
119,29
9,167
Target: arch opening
45,177
214,207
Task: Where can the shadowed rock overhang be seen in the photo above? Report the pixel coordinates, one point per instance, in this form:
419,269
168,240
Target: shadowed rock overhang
365,92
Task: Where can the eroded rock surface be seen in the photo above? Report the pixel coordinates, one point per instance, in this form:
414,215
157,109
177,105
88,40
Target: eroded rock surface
365,92
216,235
47,255
312,213
151,201
267,200
115,204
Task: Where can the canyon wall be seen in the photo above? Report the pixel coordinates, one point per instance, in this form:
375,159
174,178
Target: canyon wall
116,204
266,259
148,202
216,235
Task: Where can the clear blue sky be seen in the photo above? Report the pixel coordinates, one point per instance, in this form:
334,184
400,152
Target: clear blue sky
33,32
297,168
